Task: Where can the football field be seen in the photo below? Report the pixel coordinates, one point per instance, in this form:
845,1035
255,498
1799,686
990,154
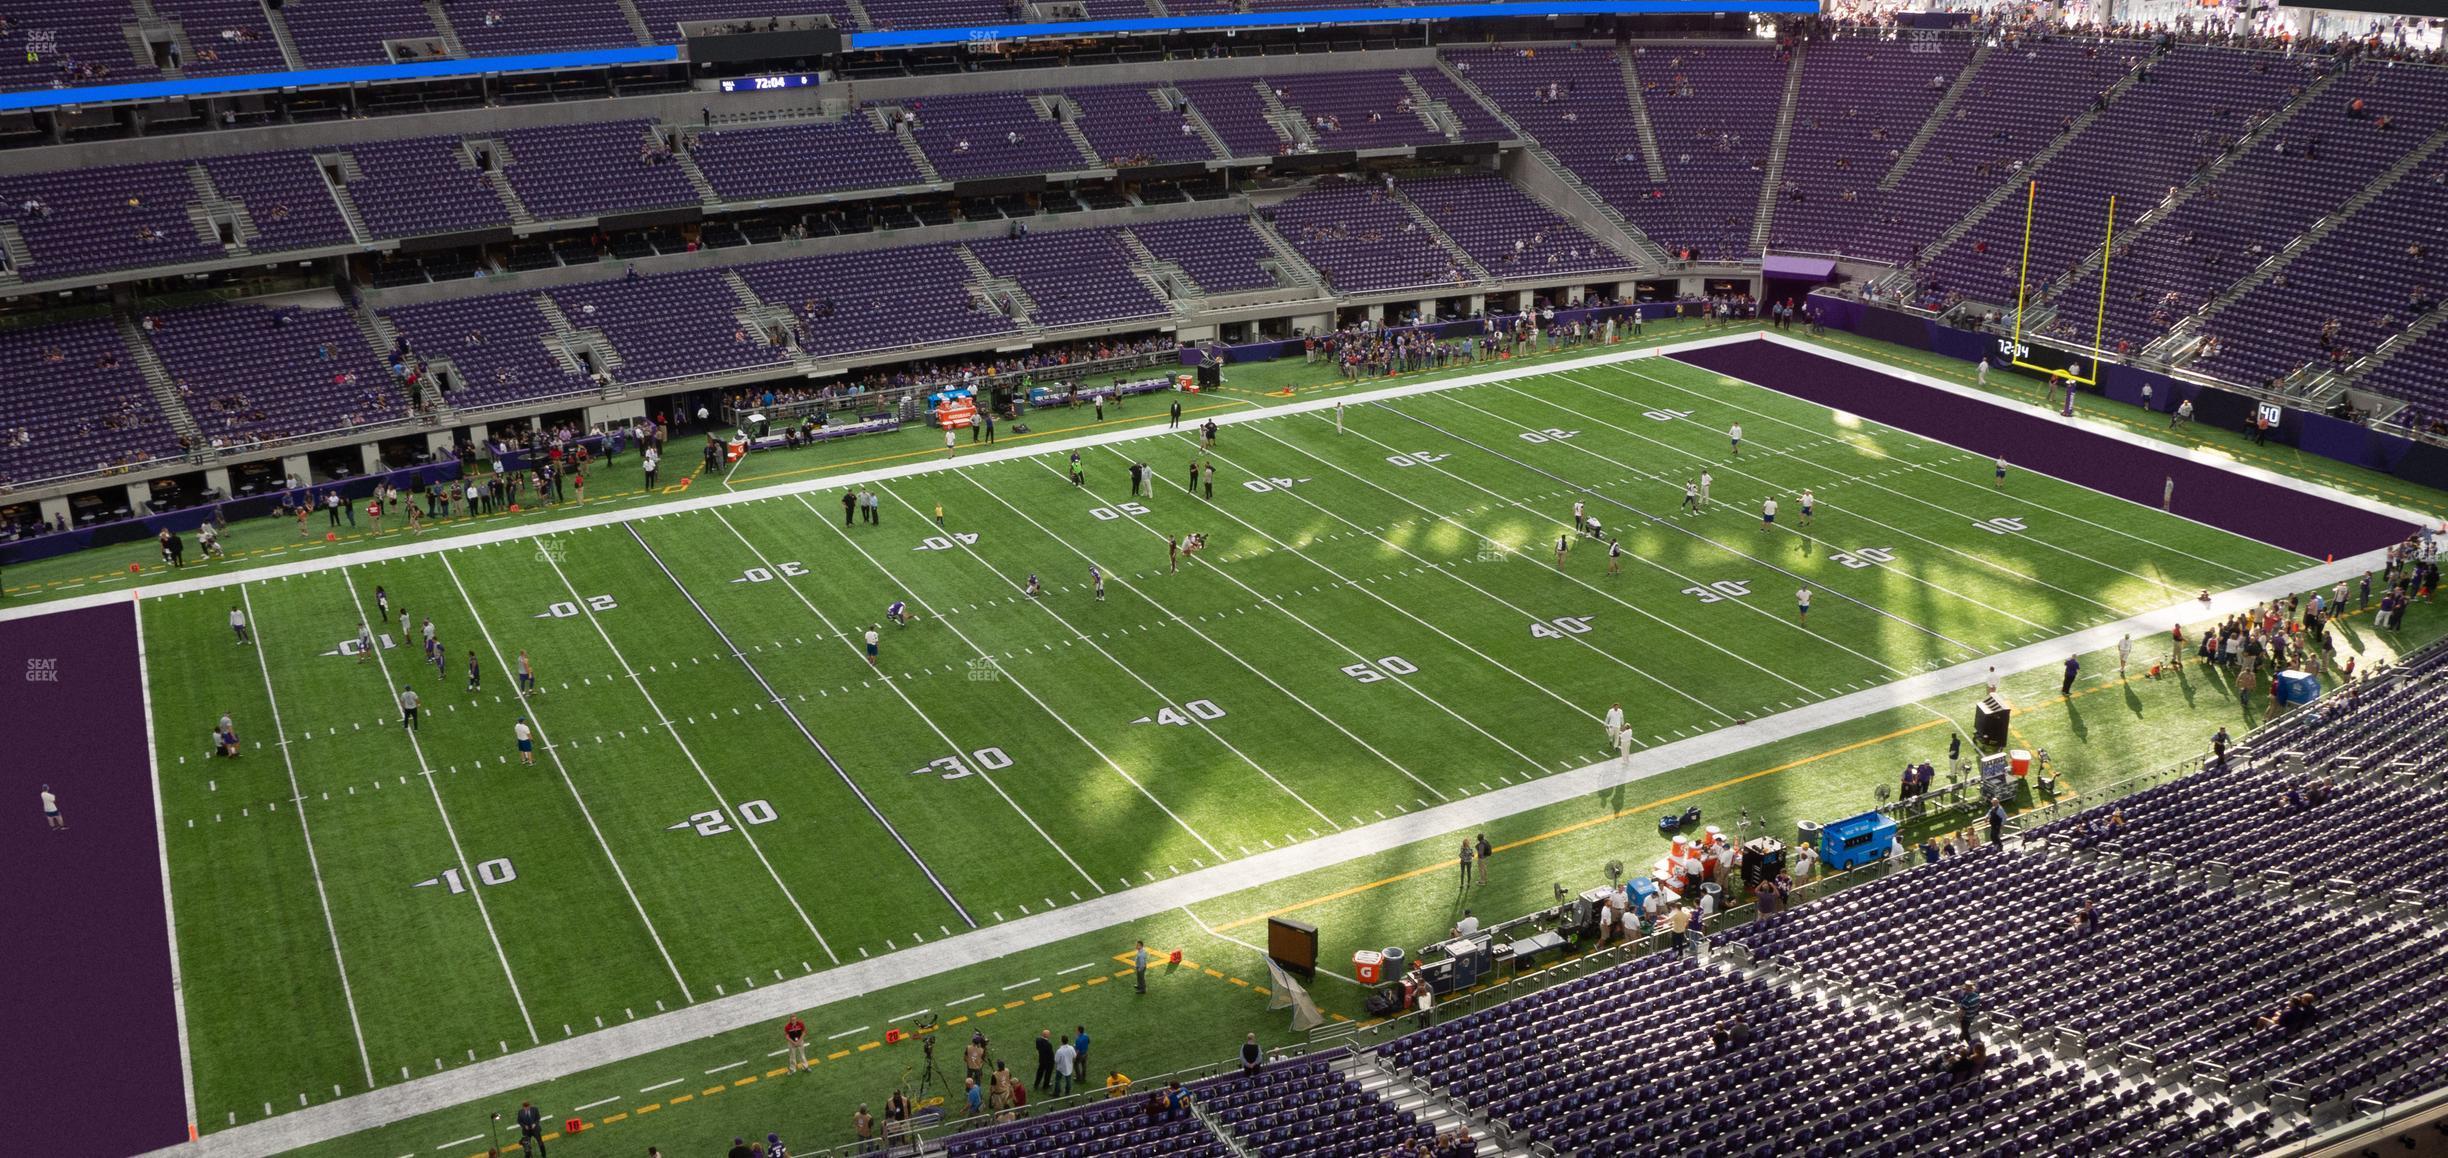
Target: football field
726,793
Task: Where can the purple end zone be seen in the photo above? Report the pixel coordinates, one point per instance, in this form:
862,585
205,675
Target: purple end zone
2281,516
94,1062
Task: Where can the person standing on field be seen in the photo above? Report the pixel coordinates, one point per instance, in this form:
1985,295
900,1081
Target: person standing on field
526,740
2124,653
408,708
51,811
1614,723
1469,853
794,1032
1486,851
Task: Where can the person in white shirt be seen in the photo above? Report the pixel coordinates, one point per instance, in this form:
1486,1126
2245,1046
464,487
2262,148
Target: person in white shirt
1705,480
1984,371
408,708
2124,652
1606,924
1734,435
51,811
526,740
1614,723
2000,480
1691,497
1802,599
1808,501
1993,680
1767,514
872,640
1468,926
1580,521
238,626
1623,746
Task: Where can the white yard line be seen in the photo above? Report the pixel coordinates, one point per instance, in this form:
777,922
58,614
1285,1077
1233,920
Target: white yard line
161,844
526,705
1342,580
592,1105
1778,489
1680,577
1851,446
1577,581
1507,604
672,730
314,863
1272,604
1665,522
458,852
1013,680
496,1076
1126,669
923,717
776,698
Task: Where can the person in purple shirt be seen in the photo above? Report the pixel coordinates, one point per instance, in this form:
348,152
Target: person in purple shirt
2073,668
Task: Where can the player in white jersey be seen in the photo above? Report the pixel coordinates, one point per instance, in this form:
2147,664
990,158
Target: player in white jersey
1734,435
1802,602
1808,501
1767,514
1614,723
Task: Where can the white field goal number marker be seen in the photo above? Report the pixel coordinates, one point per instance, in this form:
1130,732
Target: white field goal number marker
1866,557
1198,709
568,610
1390,665
788,570
1551,434
942,543
1722,590
715,823
1109,514
1559,628
1261,486
953,767
491,872
1415,458
2007,526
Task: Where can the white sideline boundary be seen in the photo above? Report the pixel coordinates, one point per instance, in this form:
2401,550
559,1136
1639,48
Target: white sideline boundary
543,1063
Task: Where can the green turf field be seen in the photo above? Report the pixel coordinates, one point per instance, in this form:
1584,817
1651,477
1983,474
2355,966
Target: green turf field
726,795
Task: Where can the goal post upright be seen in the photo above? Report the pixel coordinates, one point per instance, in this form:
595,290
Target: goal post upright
2099,326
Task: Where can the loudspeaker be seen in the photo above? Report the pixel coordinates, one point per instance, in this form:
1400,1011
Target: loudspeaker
1989,718
1210,374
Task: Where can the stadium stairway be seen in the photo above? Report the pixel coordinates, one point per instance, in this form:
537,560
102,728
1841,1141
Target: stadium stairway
280,36
2184,338
1653,161
165,388
1576,201
1375,1078
1774,171
442,25
1904,276
1173,98
2087,270
1453,249
1938,118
